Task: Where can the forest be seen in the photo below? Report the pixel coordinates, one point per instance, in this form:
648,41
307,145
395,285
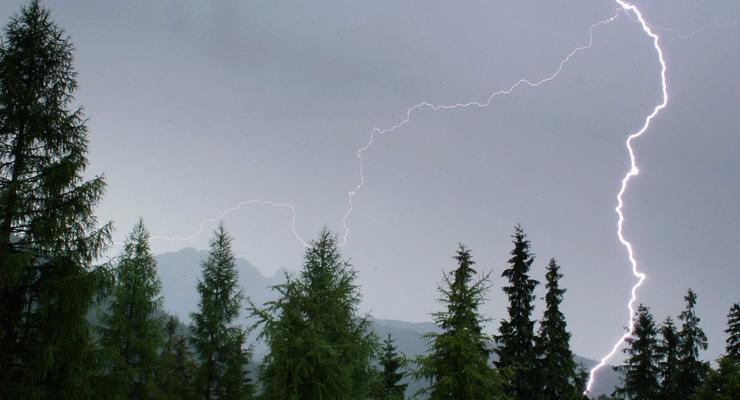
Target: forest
72,327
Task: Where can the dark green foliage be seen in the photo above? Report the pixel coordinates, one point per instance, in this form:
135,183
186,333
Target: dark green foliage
457,365
217,338
176,368
723,383
732,347
48,233
691,370
516,334
393,365
319,347
640,371
131,332
668,356
558,373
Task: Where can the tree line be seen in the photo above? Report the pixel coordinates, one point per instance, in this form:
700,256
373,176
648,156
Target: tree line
74,329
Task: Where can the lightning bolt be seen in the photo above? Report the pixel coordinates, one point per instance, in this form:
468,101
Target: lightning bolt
628,8
435,107
633,171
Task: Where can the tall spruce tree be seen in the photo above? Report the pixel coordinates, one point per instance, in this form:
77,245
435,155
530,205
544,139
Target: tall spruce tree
640,371
732,347
131,333
49,236
320,347
559,374
393,365
691,369
668,356
176,367
722,383
457,364
218,339
516,334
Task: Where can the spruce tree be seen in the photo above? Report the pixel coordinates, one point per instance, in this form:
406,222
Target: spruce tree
668,364
131,334
640,370
176,367
732,347
457,364
558,372
516,334
691,370
49,236
393,365
217,337
320,348
722,383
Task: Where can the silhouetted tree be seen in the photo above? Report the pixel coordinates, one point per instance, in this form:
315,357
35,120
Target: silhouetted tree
691,370
217,337
457,364
516,334
131,333
393,365
668,348
176,367
732,347
640,370
48,233
320,348
722,383
558,372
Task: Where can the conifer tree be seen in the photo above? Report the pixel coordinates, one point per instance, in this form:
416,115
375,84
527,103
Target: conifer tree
49,236
640,370
516,334
131,334
722,383
176,368
320,348
457,364
668,356
557,370
691,370
217,338
393,365
732,347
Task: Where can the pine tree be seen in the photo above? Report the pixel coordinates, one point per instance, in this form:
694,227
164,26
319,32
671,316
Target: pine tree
131,334
217,338
516,334
640,371
722,383
393,365
691,370
48,233
320,348
176,368
457,364
668,356
558,371
733,332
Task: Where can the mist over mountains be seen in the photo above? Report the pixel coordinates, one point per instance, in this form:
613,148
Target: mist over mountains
180,271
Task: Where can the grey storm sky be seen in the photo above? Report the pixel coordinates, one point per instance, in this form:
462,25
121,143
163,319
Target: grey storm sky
195,106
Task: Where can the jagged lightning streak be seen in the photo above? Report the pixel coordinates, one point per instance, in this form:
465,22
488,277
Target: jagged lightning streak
633,171
231,210
424,104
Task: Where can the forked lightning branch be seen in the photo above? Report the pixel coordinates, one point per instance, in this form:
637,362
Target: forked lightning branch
623,7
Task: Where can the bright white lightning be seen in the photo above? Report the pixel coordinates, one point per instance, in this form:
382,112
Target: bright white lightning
633,171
